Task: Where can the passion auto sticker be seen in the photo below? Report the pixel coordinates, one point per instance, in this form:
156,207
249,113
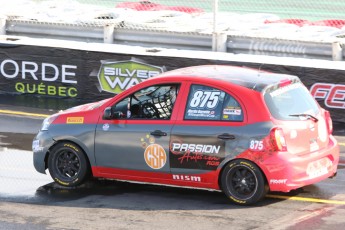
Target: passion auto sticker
206,156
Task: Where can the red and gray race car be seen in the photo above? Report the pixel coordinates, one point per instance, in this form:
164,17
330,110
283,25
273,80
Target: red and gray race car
239,130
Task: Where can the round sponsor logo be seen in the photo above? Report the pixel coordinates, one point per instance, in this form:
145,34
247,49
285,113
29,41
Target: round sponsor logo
106,127
155,156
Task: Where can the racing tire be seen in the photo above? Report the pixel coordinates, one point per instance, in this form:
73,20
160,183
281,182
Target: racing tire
243,182
68,165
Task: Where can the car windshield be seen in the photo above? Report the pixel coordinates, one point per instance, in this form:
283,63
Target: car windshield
291,102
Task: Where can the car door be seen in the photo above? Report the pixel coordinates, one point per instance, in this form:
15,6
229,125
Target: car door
137,139
210,129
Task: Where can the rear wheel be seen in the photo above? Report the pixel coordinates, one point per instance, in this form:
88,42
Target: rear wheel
243,182
68,165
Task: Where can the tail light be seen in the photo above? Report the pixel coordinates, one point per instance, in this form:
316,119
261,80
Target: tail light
278,140
329,122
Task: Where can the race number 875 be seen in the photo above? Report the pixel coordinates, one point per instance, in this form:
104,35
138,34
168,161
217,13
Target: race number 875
202,99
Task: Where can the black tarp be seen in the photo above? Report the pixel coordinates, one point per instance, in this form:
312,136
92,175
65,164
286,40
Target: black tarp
58,78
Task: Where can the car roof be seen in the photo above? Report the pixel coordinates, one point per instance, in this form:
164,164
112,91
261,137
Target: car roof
247,77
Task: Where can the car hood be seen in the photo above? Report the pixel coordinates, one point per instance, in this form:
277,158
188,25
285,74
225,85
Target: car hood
86,107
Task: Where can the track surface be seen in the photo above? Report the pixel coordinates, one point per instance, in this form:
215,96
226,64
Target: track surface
29,200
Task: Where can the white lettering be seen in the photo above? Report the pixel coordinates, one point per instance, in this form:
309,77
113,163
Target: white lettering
176,146
187,178
30,71
142,73
184,147
285,89
11,69
196,148
15,65
119,72
278,181
64,74
56,72
117,82
109,71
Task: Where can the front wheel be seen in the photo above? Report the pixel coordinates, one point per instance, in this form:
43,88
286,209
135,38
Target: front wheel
243,182
68,165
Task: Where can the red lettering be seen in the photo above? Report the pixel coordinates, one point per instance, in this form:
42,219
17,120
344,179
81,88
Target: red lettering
320,90
333,94
213,163
336,97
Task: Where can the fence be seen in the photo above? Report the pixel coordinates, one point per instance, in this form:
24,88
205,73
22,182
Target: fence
311,29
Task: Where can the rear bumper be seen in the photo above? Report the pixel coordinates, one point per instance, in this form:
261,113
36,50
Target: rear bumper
286,172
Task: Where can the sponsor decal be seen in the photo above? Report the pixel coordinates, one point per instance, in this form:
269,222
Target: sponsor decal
204,149
278,181
332,94
117,76
186,178
256,145
207,99
190,155
45,74
200,113
105,127
36,146
75,120
232,111
202,104
154,154
284,89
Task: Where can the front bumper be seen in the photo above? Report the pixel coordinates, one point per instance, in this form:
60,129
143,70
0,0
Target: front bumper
40,147
286,172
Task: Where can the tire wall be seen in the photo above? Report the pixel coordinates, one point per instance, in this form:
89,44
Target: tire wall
58,78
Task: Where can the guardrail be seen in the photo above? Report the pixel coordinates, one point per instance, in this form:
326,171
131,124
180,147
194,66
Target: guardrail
225,41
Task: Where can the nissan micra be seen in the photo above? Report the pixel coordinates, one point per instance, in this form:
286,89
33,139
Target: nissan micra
241,131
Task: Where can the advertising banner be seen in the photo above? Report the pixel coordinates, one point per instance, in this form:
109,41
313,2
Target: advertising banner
58,78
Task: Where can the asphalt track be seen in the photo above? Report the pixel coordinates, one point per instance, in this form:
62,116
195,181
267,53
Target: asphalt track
29,200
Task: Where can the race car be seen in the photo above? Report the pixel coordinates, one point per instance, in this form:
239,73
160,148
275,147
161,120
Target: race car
238,130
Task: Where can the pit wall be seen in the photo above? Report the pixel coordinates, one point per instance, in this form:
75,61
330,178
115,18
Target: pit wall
56,74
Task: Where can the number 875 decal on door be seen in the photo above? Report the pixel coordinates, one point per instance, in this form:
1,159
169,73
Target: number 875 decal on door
205,99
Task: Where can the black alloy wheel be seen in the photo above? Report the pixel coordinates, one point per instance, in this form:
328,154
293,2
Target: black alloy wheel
243,182
68,165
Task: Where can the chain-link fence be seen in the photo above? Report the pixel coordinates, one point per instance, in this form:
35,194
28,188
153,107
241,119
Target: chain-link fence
190,22
189,16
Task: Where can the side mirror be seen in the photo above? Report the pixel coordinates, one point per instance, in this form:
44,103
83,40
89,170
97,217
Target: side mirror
118,115
108,113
